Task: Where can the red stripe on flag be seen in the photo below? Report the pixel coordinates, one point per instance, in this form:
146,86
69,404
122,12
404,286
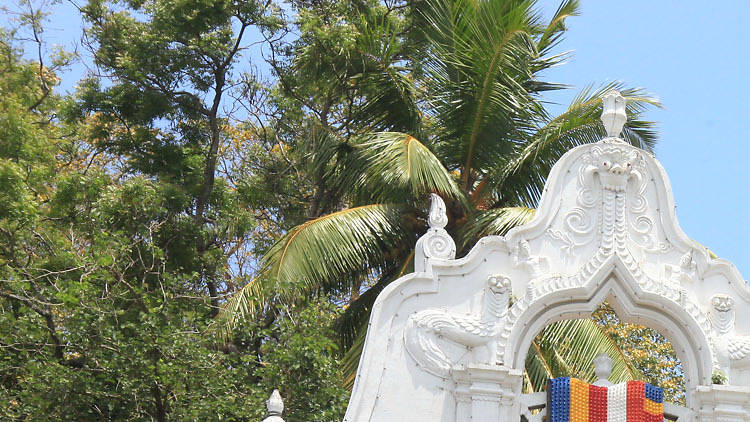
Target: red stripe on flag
597,404
635,405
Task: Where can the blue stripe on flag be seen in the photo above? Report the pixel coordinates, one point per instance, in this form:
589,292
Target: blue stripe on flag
559,392
654,394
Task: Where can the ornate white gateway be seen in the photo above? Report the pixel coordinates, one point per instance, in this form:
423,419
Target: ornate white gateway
448,342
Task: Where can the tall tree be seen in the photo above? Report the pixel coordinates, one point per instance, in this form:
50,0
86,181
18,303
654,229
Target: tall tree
171,74
105,263
437,96
132,210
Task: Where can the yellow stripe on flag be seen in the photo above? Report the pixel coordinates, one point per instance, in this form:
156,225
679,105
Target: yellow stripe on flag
579,401
652,407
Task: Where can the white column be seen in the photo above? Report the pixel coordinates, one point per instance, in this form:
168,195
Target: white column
488,393
722,403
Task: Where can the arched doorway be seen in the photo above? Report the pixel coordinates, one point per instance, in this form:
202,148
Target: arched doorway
632,304
570,348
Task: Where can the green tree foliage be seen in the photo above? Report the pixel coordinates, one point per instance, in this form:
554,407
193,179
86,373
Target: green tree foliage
291,357
188,231
647,350
172,69
105,263
566,349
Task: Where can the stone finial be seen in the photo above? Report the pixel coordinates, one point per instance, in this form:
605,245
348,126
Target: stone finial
613,113
438,218
603,370
436,243
275,406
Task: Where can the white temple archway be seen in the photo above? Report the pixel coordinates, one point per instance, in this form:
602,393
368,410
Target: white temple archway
448,342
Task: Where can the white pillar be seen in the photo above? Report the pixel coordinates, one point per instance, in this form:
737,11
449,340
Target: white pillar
722,403
486,393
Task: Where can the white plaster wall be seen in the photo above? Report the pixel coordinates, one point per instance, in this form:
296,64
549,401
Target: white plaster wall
598,233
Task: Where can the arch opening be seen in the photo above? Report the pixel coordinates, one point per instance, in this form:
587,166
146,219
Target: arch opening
568,348
615,285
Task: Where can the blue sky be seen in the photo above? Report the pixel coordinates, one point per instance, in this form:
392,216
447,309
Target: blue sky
693,55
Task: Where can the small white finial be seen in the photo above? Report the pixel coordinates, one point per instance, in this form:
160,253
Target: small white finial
275,404
603,370
613,113
437,217
436,243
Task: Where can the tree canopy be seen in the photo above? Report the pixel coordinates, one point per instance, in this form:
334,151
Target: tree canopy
211,214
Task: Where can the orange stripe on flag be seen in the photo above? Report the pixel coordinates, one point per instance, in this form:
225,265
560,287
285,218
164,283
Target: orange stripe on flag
579,400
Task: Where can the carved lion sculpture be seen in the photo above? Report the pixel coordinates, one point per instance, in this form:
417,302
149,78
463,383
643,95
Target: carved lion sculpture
427,331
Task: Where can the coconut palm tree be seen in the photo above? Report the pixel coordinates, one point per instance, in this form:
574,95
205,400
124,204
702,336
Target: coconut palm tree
466,119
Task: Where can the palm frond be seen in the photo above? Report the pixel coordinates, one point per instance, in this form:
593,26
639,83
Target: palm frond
390,165
476,75
556,26
496,221
390,101
336,245
320,147
536,370
568,348
519,179
320,253
243,303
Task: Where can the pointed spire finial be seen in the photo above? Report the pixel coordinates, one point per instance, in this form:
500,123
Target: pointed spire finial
613,113
438,217
436,243
275,404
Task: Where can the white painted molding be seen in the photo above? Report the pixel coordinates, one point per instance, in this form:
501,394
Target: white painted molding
721,403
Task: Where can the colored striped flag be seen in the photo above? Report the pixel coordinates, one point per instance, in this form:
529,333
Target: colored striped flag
573,400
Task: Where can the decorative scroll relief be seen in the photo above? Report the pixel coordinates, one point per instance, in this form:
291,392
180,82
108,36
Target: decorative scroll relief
427,331
611,187
730,350
610,203
437,242
611,210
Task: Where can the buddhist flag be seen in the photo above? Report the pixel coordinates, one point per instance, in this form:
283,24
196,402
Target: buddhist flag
573,400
